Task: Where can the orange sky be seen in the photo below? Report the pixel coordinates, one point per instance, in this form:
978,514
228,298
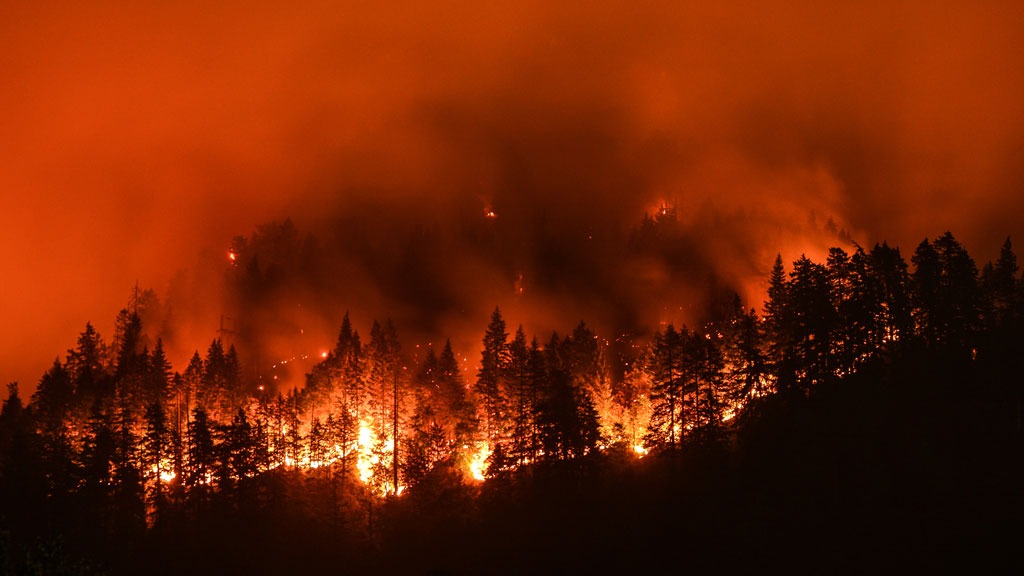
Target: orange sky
136,135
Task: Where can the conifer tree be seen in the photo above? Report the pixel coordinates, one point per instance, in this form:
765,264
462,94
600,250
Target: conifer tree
490,385
157,450
667,387
202,459
89,376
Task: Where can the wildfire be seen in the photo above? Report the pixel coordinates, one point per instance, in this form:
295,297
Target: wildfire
373,449
478,461
366,459
164,472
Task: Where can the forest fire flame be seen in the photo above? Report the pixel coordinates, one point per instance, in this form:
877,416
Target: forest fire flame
478,462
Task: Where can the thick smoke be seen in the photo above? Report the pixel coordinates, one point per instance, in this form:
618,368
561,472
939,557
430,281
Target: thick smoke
140,139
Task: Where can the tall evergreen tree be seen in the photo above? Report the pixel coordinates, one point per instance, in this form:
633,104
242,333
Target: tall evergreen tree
889,271
89,376
745,355
157,452
490,385
813,324
667,387
567,420
53,397
202,460
453,389
778,324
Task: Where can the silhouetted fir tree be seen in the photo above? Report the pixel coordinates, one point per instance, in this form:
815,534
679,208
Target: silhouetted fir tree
128,498
176,486
321,382
945,286
89,376
12,418
202,460
846,297
959,303
383,367
234,386
703,354
432,430
235,455
567,420
131,365
778,323
891,276
333,439
318,442
519,385
1001,351
426,390
212,394
277,413
351,362
293,443
499,465
52,400
98,456
926,297
157,453
667,387
998,284
453,390
490,386
346,338
22,471
260,445
745,355
859,315
813,321
157,380
427,445
346,434
539,389
127,343
187,394
61,462
584,360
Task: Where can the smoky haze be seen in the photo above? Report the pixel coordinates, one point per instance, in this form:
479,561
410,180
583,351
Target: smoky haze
139,140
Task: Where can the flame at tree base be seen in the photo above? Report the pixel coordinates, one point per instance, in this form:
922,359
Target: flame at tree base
478,460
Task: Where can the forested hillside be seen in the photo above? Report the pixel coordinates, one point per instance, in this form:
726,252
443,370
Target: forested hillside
872,412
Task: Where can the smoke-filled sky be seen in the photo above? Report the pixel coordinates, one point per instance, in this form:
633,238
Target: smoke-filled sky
139,138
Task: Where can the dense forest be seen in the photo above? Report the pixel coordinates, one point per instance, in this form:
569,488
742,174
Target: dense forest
870,413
